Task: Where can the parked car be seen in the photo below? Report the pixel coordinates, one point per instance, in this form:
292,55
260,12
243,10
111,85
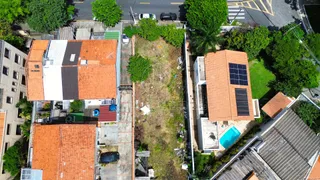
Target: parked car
125,39
146,16
168,16
109,157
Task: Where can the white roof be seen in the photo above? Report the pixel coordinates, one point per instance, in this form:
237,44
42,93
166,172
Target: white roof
56,52
52,83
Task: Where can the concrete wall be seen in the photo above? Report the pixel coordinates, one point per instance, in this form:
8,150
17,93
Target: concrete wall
6,83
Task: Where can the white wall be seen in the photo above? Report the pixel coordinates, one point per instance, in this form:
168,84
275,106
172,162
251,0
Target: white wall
56,51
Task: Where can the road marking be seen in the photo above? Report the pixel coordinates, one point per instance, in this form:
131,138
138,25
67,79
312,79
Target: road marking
236,10
233,14
179,3
144,2
232,17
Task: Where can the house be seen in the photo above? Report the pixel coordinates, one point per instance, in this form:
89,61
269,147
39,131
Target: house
277,104
65,151
12,89
286,149
74,69
223,97
65,70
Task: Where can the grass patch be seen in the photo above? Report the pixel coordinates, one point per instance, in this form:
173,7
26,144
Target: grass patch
260,78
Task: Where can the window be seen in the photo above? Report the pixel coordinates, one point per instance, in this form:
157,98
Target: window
14,83
6,146
18,130
7,53
19,112
35,70
15,75
23,80
24,62
14,89
21,95
8,129
17,59
5,70
9,100
36,66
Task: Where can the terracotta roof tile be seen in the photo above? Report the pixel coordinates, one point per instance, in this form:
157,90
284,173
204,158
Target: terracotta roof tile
97,82
315,172
220,93
104,51
2,128
34,75
64,151
276,104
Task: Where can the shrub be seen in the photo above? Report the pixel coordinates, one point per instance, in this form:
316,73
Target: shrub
76,106
309,114
173,35
130,31
139,68
13,159
149,29
107,11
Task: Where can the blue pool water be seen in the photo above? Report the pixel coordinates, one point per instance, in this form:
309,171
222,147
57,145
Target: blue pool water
229,137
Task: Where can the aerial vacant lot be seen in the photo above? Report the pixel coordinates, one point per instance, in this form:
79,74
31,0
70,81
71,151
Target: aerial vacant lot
162,92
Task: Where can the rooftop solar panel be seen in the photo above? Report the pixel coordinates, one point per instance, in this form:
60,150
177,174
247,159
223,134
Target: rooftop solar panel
238,74
242,102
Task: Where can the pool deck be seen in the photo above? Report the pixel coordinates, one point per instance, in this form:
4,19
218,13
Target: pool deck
243,126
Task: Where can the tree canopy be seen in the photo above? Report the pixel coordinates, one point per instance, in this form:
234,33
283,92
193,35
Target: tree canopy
6,34
313,41
139,68
211,13
309,114
252,42
149,29
106,11
12,9
204,40
47,15
14,159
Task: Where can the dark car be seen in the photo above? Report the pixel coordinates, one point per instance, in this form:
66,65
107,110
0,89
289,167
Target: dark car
109,157
168,16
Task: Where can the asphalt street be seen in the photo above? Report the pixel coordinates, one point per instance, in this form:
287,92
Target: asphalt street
150,6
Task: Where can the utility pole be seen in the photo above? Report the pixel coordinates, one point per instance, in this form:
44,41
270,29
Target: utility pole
132,14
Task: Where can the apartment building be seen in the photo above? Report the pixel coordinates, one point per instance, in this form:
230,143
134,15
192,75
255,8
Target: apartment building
12,88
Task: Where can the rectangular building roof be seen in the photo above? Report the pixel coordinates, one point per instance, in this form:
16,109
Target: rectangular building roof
221,88
289,145
64,151
95,77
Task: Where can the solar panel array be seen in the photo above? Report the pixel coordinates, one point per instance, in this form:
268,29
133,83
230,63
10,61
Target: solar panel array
242,102
238,74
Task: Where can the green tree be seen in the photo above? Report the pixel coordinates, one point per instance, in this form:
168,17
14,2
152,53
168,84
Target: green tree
149,29
130,31
313,42
25,128
310,114
12,9
106,11
204,40
26,107
173,35
6,34
14,159
47,15
76,106
252,42
139,68
210,13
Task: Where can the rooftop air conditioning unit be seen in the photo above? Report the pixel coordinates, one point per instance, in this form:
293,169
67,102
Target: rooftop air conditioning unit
83,62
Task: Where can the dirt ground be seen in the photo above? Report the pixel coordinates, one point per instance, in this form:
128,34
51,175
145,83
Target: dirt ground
162,92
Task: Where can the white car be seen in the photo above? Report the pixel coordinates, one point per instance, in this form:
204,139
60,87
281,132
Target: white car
146,16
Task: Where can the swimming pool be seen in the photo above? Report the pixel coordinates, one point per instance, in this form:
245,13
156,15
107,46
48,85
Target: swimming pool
230,137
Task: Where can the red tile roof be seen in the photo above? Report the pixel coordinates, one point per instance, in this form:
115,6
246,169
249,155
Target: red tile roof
65,151
276,104
315,172
106,115
220,93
